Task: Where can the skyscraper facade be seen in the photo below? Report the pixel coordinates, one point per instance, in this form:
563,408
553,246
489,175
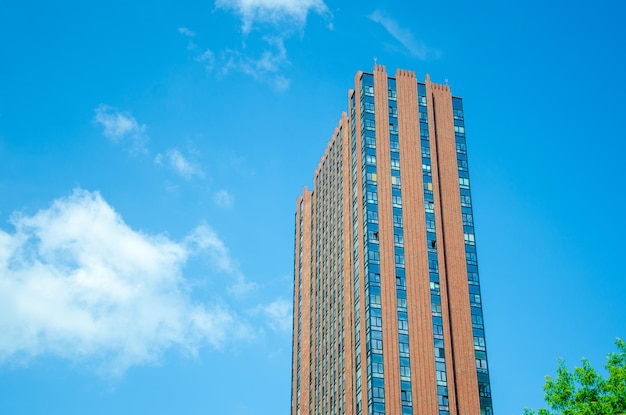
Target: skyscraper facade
387,306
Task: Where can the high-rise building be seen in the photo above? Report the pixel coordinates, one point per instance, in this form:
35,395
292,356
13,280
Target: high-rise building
387,307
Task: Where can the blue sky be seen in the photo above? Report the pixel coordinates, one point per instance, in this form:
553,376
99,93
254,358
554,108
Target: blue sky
151,154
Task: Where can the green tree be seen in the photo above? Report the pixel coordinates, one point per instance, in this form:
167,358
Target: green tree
584,391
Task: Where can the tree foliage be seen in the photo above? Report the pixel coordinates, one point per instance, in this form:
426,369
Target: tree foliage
584,392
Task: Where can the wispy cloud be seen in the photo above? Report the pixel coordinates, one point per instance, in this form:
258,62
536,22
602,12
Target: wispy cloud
266,68
180,164
122,126
78,283
404,36
119,126
273,21
223,199
186,32
189,35
204,239
208,58
280,314
286,13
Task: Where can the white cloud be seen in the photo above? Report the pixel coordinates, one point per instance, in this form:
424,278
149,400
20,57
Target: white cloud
185,31
78,283
189,34
241,287
274,12
223,199
279,314
119,126
208,58
204,239
415,47
277,20
266,67
179,164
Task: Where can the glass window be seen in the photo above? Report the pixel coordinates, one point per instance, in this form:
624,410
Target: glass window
479,343
375,299
399,260
398,240
484,391
436,309
403,325
372,216
374,256
440,352
378,392
396,201
441,377
481,365
397,220
430,224
377,368
404,349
